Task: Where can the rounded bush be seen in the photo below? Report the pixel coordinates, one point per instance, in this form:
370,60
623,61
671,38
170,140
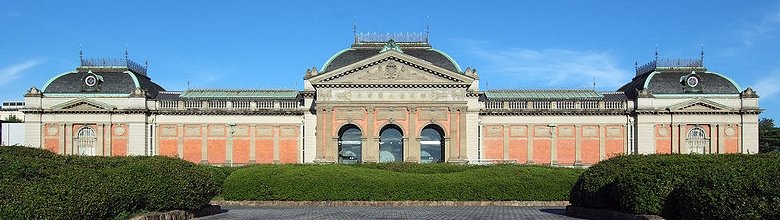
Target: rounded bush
674,186
36,184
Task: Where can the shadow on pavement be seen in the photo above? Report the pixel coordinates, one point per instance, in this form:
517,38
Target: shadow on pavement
557,211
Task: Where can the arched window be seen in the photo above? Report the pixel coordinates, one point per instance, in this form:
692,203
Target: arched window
86,141
697,141
350,146
391,146
431,144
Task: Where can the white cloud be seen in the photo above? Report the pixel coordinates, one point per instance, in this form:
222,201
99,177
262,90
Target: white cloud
13,72
554,67
763,29
767,87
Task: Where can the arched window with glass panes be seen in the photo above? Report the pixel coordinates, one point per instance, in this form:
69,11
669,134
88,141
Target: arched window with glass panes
697,141
85,141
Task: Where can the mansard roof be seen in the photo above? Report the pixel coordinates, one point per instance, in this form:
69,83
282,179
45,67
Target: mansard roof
116,77
362,50
497,95
258,94
663,77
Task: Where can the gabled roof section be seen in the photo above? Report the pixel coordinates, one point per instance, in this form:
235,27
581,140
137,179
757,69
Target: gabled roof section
404,62
543,95
369,45
210,94
699,104
83,104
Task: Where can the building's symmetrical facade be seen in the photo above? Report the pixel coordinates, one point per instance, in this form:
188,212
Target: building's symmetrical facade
387,101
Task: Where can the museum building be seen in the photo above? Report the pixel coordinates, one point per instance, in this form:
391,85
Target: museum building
391,98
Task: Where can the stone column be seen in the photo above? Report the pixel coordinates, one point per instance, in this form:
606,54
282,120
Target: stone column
674,137
680,138
413,154
321,135
577,145
602,142
252,143
109,138
370,147
99,142
721,138
713,147
462,155
229,145
506,142
453,150
276,131
180,133
62,138
553,147
69,139
530,150
204,150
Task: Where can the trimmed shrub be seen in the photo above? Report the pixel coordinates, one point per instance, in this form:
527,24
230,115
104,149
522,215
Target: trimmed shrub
379,182
651,184
36,184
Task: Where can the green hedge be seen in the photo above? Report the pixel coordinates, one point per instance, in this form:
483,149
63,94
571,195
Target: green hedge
394,182
690,186
37,184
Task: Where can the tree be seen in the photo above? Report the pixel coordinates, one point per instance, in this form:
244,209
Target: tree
768,136
13,119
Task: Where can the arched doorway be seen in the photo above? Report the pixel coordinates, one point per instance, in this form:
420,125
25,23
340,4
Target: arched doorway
391,145
697,141
85,140
432,144
350,146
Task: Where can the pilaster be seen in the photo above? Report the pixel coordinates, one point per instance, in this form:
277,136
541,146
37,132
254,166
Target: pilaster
602,142
252,143
204,150
276,131
553,147
506,141
180,140
413,152
578,145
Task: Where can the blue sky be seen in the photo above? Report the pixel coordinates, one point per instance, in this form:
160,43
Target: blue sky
512,44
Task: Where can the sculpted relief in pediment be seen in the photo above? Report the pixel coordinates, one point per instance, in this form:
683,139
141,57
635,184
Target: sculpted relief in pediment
390,72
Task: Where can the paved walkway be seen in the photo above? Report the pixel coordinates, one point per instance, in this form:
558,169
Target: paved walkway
364,212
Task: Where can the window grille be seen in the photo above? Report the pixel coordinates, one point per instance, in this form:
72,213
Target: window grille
697,141
86,141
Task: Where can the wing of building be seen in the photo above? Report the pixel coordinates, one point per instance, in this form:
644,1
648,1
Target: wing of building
386,101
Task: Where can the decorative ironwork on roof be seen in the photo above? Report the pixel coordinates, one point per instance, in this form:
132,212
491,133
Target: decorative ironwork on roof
670,64
114,63
543,95
384,37
203,94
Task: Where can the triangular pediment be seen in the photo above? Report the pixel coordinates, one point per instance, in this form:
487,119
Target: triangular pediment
83,104
699,105
391,67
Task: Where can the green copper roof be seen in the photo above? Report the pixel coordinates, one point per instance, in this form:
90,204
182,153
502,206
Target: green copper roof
238,94
543,95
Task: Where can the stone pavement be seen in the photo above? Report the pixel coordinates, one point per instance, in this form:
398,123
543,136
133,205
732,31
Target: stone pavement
390,212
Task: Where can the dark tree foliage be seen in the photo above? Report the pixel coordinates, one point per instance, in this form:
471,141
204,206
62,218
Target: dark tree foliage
13,119
768,136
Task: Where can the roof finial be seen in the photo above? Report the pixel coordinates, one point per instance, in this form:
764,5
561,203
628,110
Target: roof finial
127,57
656,53
702,55
354,29
146,64
636,66
427,27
